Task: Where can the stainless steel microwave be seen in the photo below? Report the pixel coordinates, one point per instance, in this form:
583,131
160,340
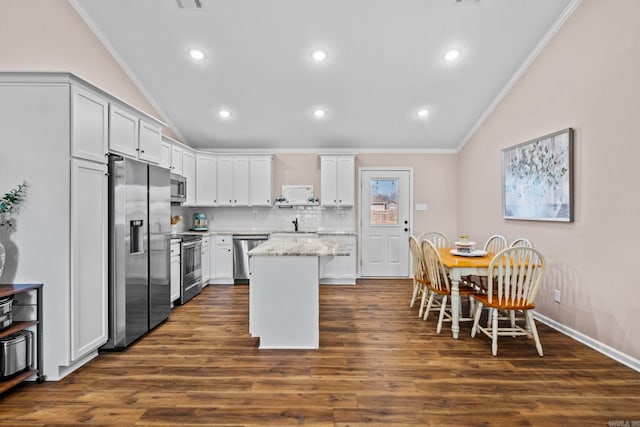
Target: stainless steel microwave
178,188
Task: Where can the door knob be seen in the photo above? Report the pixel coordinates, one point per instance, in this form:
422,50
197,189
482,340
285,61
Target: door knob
406,229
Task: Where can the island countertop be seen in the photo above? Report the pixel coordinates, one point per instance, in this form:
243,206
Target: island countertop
301,246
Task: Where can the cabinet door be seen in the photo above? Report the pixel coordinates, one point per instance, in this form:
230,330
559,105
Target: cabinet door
225,181
328,174
345,180
89,125
175,271
205,261
240,181
165,154
206,180
88,257
224,262
149,142
347,264
189,172
123,132
176,159
260,181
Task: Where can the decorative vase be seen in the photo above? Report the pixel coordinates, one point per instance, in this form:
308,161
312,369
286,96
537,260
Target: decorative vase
2,258
174,229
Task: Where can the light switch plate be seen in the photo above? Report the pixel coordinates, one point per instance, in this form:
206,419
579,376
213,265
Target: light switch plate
421,206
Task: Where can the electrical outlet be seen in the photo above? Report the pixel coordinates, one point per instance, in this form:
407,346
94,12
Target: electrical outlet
556,295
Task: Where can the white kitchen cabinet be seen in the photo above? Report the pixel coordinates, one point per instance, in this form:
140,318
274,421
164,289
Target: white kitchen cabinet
233,181
176,159
205,259
260,180
88,291
189,172
206,179
341,269
133,136
123,131
223,268
165,153
176,272
337,180
90,125
149,142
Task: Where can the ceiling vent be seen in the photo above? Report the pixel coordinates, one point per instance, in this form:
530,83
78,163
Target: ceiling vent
190,4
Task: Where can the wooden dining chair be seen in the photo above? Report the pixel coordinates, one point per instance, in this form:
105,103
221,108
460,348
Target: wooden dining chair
521,241
439,285
420,278
514,278
493,245
439,240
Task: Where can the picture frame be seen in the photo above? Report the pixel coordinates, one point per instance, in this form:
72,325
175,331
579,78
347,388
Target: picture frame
537,177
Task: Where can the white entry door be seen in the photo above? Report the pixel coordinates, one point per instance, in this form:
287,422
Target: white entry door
385,222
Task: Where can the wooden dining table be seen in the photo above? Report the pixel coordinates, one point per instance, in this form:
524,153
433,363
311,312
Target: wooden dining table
460,266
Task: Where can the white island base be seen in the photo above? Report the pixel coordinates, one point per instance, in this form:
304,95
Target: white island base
284,301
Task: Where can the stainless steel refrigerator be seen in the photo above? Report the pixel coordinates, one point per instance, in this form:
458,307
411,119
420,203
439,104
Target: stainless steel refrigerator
139,229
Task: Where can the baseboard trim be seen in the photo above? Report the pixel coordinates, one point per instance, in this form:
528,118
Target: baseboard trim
608,351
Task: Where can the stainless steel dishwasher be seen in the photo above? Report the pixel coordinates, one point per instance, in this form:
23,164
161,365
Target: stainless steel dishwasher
242,244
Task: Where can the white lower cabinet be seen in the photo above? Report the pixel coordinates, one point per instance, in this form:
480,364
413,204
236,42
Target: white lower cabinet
205,261
341,270
176,272
223,267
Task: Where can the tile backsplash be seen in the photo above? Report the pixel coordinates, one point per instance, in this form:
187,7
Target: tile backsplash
310,218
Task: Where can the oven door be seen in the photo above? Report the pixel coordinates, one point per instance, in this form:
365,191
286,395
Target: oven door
191,284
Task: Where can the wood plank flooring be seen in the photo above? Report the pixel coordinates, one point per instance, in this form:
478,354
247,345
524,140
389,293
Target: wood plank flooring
378,364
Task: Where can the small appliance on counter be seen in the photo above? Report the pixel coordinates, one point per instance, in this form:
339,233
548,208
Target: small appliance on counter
16,354
200,222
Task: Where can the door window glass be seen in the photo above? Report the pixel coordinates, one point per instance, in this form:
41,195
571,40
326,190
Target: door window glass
384,202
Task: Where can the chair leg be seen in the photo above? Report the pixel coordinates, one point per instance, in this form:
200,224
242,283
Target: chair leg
494,332
472,306
416,286
425,292
443,308
429,304
476,319
534,331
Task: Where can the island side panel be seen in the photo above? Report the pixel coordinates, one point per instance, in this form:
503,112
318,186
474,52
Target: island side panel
284,303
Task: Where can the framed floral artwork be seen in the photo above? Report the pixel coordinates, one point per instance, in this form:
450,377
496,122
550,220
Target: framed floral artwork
537,178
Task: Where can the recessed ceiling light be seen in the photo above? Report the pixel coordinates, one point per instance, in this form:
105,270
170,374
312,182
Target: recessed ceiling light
422,113
196,54
319,55
452,55
224,114
319,113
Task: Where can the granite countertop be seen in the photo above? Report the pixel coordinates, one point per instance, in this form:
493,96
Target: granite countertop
300,246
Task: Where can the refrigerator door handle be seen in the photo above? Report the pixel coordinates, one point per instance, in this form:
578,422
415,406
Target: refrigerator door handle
136,245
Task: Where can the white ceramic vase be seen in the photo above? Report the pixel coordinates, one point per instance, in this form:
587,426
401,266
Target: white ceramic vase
2,258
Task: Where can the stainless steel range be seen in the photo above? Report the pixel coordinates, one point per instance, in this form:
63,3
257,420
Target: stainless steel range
191,261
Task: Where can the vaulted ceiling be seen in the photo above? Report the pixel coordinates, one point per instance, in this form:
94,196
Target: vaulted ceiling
384,85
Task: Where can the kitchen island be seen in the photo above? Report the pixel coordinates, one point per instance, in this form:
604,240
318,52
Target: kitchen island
284,290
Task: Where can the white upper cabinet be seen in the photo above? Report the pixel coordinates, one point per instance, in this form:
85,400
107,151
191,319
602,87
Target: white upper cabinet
133,137
337,180
89,125
189,172
176,159
206,179
260,180
149,142
233,181
240,181
165,153
123,132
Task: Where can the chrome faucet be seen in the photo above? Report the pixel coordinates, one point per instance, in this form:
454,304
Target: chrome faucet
295,224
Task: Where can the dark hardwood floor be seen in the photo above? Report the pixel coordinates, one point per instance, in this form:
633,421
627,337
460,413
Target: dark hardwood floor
378,364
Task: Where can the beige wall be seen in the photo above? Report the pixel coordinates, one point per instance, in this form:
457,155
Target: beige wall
586,78
49,35
434,176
